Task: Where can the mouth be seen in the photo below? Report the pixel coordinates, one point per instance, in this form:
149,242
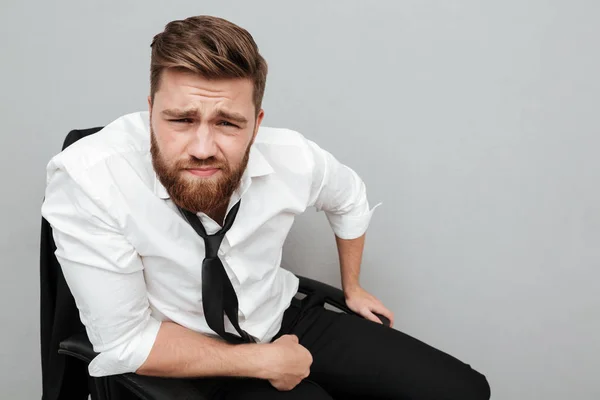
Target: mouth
203,172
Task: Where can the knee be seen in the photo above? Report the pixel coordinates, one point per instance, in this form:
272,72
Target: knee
477,387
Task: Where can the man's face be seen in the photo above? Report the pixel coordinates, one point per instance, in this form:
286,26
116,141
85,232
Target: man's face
201,133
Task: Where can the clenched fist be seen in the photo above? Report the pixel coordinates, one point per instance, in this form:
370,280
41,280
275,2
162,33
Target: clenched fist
286,362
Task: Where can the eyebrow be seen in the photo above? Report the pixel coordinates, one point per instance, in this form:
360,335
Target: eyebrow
232,116
193,112
178,113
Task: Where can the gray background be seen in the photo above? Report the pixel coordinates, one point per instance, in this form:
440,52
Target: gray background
473,122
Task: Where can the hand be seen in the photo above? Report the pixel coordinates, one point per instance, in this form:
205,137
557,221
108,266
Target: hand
287,362
365,304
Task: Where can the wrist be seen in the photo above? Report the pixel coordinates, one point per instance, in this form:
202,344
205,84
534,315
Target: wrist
257,362
350,288
349,291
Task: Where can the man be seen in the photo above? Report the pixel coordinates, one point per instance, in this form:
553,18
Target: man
167,220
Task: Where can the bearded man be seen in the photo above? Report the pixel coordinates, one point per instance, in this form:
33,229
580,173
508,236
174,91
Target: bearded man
169,226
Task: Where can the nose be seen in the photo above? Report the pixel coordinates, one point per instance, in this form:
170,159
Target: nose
203,144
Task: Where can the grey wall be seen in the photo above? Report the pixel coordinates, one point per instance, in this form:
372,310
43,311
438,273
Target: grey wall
472,121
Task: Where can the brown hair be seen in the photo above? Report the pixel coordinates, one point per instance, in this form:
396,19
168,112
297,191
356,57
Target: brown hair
212,47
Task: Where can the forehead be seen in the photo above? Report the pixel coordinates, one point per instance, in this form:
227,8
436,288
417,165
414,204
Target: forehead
184,89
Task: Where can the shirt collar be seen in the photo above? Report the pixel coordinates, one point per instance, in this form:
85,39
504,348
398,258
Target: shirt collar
257,166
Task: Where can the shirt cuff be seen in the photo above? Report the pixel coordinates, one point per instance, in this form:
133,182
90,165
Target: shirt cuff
127,357
350,226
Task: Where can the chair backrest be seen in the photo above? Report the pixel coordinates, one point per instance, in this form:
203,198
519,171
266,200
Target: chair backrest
59,316
77,134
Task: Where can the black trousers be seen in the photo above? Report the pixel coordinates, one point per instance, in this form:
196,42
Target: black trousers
354,358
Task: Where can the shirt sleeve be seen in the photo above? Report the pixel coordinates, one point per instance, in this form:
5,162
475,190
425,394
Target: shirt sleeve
104,274
340,193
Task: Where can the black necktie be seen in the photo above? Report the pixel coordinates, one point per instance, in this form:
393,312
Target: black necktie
218,295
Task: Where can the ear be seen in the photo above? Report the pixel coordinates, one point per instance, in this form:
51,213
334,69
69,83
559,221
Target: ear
259,118
150,104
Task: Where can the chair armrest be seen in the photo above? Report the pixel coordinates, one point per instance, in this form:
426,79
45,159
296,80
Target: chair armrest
330,294
144,387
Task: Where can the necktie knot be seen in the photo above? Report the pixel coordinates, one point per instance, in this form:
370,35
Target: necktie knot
212,244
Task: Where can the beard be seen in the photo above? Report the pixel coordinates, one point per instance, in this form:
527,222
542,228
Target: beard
197,194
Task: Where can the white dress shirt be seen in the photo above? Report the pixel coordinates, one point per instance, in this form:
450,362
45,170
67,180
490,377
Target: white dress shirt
131,260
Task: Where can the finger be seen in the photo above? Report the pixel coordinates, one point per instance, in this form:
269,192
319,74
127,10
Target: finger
385,312
370,316
384,320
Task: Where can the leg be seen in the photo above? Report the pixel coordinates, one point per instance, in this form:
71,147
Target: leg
356,357
256,389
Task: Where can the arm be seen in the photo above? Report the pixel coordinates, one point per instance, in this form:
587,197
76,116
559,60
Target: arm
104,275
358,300
340,192
180,352
350,253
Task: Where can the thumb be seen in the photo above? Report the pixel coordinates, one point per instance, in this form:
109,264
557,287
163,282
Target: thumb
293,338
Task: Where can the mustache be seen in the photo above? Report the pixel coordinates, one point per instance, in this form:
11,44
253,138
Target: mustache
210,162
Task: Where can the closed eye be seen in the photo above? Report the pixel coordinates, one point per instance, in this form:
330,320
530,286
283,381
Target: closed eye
227,123
182,120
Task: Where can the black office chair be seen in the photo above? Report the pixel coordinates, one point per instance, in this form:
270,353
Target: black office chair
66,349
